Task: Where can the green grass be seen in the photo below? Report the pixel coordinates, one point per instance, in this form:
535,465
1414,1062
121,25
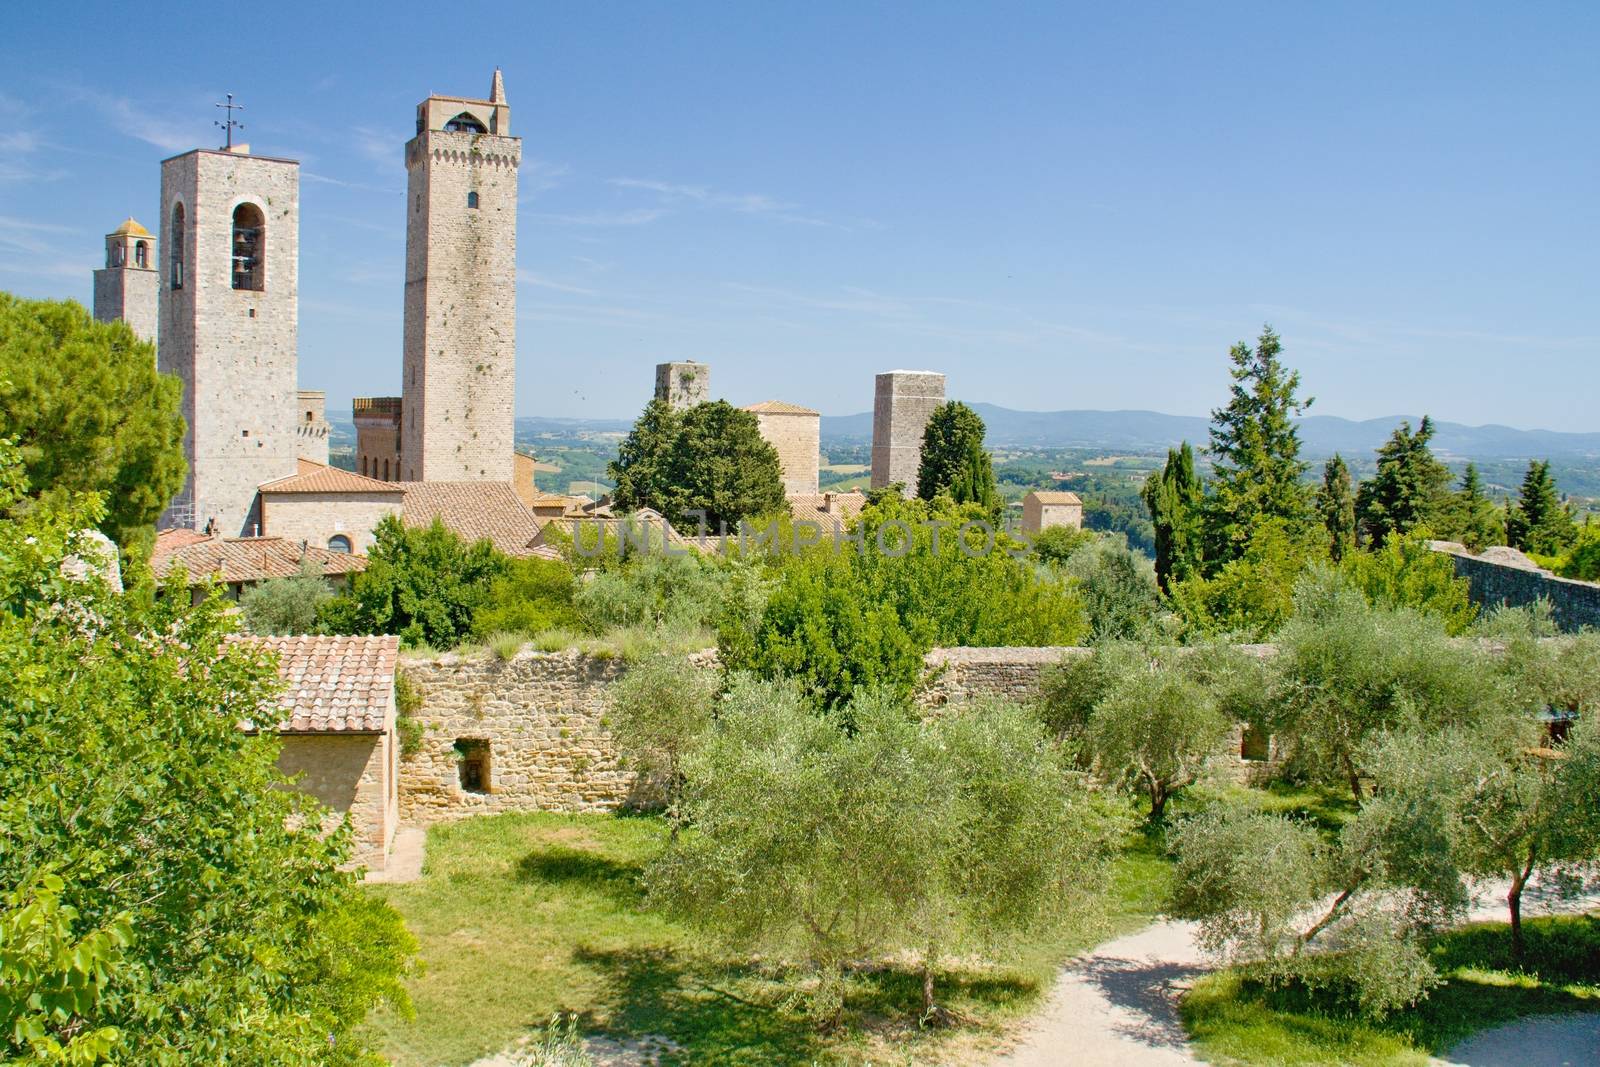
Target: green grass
1236,1021
522,916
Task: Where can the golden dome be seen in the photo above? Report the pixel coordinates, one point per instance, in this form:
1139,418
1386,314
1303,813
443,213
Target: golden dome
130,228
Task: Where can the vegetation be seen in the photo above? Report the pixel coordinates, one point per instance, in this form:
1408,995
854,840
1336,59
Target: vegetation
1539,522
1470,516
82,401
526,597
286,605
163,899
1336,504
953,462
709,462
1409,490
659,711
1175,498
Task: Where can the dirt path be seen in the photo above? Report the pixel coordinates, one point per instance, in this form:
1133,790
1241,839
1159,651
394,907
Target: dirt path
1544,1041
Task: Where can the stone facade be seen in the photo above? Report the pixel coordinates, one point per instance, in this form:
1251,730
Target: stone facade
311,425
229,326
902,402
1493,584
317,518
683,385
1041,511
354,775
794,433
378,434
128,287
461,291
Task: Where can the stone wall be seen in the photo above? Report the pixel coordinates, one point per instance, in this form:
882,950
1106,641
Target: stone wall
1494,584
352,774
958,674
901,404
683,384
796,437
316,517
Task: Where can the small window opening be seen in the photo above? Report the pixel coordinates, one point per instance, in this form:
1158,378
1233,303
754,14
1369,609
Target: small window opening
339,543
1255,744
114,256
363,466
472,200
472,756
246,251
466,123
385,470
308,416
141,255
176,247
244,433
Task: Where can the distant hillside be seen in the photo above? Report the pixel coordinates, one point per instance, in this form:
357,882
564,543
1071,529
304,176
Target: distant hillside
1143,431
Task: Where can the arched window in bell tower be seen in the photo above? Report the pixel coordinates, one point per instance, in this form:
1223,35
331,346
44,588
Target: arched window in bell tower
176,253
248,248
141,255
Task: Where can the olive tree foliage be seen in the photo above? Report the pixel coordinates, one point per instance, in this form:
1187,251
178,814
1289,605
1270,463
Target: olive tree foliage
286,605
164,899
816,845
658,711
83,402
1118,587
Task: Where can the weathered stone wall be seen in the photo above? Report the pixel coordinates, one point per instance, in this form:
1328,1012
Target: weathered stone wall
901,403
311,425
353,775
683,384
129,293
315,517
796,437
1574,604
958,674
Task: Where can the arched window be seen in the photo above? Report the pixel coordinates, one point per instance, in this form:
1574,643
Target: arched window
363,466
385,470
141,255
472,200
339,543
466,123
249,243
114,256
175,248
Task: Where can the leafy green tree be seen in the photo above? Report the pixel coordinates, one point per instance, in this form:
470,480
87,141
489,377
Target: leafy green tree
1117,586
286,605
1470,516
958,835
953,459
1253,596
709,462
1582,560
1057,544
165,898
1539,521
1336,503
1410,488
530,596
423,583
83,401
1175,498
1406,573
659,710
1255,451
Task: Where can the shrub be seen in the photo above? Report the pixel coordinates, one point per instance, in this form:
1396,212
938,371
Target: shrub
658,711
1406,573
286,605
528,597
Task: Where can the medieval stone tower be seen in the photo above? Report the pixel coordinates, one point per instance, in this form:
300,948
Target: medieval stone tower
901,405
127,286
683,385
461,290
229,315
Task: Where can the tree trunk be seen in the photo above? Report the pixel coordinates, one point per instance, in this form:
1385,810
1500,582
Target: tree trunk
1514,899
1158,803
1355,779
928,1005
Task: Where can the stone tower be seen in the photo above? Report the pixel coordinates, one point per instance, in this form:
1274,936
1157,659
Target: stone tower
229,327
461,290
901,405
683,385
127,286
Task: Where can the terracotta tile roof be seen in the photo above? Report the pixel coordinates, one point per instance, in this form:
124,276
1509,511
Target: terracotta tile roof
779,407
612,527
475,510
333,684
1055,497
244,559
822,507
316,477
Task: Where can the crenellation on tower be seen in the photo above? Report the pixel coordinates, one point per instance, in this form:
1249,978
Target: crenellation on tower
459,375
128,287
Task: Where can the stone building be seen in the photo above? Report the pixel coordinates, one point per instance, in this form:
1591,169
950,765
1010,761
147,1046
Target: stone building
1042,510
328,507
794,433
378,436
311,425
683,385
228,327
237,563
461,290
128,287
902,402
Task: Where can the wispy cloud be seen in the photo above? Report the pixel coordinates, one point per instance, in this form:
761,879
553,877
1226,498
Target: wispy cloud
137,121
538,282
743,203
381,147
637,217
323,179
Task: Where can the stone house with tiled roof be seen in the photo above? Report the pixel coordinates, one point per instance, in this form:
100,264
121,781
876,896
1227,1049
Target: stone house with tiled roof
335,717
831,511
1042,510
240,562
328,507
794,433
474,510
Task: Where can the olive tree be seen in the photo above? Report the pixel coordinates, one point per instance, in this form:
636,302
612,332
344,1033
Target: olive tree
659,710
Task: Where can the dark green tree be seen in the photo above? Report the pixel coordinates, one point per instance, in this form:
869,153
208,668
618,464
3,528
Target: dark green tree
954,461
1410,489
1539,521
423,583
83,401
1175,497
1255,450
709,459
1336,503
1470,516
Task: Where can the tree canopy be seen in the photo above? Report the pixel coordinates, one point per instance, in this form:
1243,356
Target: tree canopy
954,461
84,403
708,462
1410,488
1539,521
1336,504
1175,498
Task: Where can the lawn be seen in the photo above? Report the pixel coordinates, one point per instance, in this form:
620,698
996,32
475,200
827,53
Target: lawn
1235,1021
522,916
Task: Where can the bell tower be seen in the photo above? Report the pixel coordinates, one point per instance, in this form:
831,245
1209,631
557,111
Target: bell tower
461,290
127,286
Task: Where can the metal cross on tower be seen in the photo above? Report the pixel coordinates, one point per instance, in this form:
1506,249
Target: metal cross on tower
230,125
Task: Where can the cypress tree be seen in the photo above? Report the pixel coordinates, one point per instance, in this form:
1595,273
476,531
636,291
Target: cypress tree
1174,496
1539,522
1336,505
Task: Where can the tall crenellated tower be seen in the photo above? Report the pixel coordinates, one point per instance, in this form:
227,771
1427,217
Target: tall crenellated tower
461,290
228,327
127,287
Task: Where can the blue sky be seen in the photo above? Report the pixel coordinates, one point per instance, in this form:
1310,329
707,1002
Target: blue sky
1060,206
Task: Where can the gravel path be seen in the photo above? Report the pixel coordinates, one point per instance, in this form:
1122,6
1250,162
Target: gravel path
1543,1041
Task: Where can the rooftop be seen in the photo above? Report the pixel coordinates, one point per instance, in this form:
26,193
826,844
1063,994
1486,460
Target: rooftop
244,559
129,228
474,510
316,477
779,407
1053,497
333,684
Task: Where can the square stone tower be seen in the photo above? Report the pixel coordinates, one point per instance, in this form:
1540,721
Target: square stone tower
128,286
794,433
229,320
901,405
378,430
461,290
683,385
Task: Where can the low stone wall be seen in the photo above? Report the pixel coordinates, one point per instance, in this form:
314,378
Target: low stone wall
1492,584
958,674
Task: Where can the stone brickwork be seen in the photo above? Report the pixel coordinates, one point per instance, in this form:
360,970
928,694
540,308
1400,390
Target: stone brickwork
316,518
683,385
902,402
348,774
461,291
311,425
794,433
1493,584
128,287
377,420
234,349
1041,511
